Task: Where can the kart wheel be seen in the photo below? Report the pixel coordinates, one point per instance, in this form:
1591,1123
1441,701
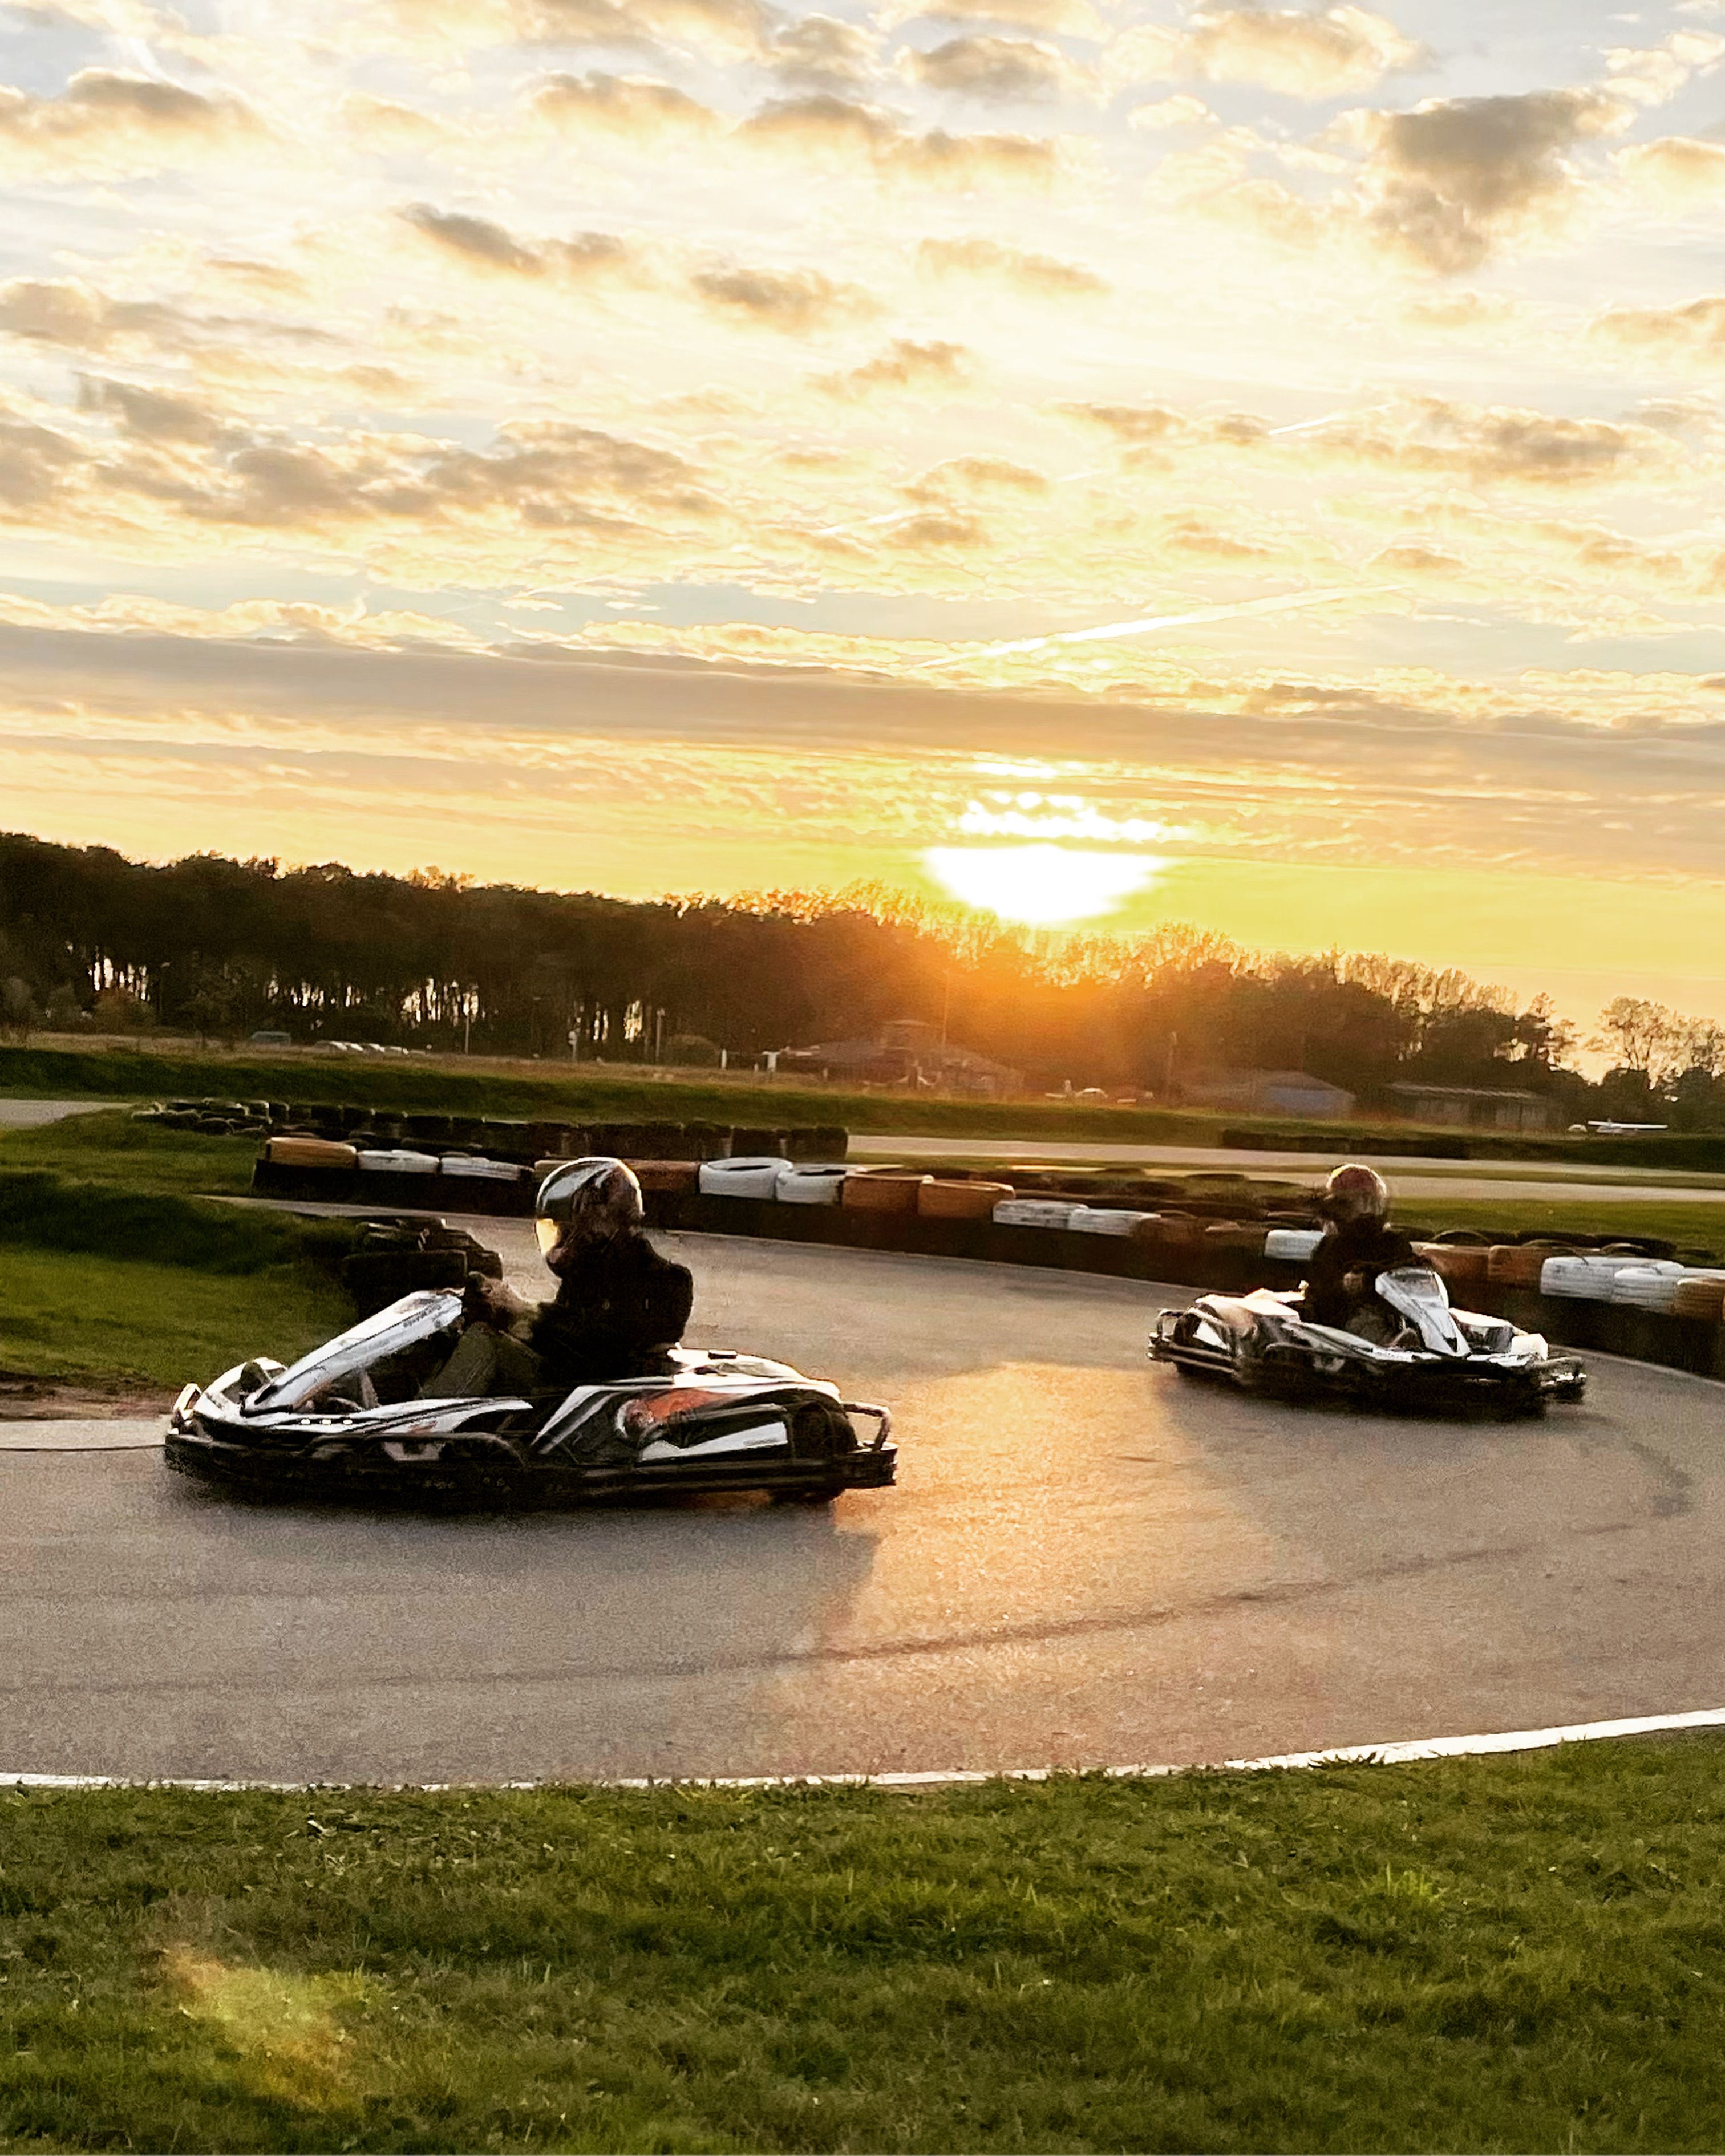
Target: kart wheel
820,1493
821,1433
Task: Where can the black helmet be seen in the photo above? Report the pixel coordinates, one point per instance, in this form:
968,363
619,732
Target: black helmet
1355,1194
587,1201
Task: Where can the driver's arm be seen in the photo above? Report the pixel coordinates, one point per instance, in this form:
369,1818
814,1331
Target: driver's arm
493,1302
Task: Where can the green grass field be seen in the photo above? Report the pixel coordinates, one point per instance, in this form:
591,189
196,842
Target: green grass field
1524,1954
1691,1225
116,1322
107,1147
613,1093
113,1275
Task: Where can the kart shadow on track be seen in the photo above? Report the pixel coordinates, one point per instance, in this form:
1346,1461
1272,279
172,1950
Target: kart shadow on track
562,1644
1437,1405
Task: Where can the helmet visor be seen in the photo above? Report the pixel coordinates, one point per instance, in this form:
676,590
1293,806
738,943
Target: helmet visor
550,1234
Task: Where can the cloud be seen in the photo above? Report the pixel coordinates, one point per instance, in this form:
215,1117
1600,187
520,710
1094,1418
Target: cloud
632,108
1074,18
475,240
482,245
1493,445
1694,330
723,29
991,261
1460,314
150,414
1451,181
1182,110
820,52
38,464
822,128
1655,76
67,312
1676,172
381,123
903,367
998,70
106,123
966,478
795,302
1482,444
1141,430
1292,51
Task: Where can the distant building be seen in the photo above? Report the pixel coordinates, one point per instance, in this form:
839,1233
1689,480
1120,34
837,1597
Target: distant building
1269,1093
1473,1107
905,1052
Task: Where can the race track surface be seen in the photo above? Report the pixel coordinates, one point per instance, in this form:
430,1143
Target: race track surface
1087,1561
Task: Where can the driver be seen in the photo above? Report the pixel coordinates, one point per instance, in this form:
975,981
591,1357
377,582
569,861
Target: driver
1357,1244
618,1310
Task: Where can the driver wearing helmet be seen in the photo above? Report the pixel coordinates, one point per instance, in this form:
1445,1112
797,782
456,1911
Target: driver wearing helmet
1357,1244
619,1307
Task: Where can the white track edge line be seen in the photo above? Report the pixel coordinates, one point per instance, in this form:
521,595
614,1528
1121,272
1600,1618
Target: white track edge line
1346,1755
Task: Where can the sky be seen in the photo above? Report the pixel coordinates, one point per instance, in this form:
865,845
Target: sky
1110,462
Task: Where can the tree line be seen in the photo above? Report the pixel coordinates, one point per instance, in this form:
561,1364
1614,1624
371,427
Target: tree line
90,939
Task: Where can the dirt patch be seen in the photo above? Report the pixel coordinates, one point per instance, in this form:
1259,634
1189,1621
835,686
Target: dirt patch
27,1398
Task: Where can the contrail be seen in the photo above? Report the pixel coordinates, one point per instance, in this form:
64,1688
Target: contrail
1330,419
1285,603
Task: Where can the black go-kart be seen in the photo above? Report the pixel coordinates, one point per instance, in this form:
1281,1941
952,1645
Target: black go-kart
348,1421
1421,1353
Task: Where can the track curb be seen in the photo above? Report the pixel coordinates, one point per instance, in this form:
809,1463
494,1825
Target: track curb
1406,1752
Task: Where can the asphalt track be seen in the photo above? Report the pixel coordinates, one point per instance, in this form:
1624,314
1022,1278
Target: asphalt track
1087,1561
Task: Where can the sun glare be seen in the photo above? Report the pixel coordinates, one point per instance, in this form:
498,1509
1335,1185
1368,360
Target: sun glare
1044,887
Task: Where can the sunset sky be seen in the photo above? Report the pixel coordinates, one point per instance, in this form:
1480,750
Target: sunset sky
653,445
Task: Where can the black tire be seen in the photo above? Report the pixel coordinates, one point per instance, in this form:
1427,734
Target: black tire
821,1433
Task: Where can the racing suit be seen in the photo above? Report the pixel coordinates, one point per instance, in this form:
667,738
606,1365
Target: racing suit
1367,1247
618,1308
619,1305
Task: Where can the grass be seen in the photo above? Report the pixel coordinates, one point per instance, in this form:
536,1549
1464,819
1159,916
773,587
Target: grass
113,1275
565,1093
1689,1226
116,1322
571,1093
107,1147
1520,1953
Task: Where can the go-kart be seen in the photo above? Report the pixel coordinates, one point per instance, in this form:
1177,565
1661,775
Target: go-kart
349,1421
1424,1354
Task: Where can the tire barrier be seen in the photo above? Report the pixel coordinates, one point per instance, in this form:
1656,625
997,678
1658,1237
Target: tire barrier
397,1257
939,1200
1630,1296
883,1193
811,1186
488,1137
1686,1334
473,1164
741,1179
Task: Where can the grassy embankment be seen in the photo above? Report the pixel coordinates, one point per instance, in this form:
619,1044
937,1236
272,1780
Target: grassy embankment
1521,1953
112,1275
566,1092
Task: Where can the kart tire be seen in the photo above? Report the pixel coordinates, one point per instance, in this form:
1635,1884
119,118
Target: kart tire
821,1433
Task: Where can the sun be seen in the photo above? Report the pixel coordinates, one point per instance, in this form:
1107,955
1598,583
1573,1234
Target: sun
1044,887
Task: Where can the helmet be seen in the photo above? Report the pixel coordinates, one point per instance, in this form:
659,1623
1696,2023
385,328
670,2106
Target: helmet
587,1201
1355,1194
